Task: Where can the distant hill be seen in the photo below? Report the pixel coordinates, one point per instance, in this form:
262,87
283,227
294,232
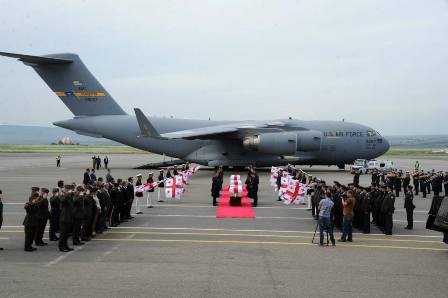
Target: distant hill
37,135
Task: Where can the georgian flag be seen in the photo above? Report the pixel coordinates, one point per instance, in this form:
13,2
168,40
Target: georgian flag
194,169
234,177
236,188
147,186
274,175
284,184
301,195
291,192
174,187
184,177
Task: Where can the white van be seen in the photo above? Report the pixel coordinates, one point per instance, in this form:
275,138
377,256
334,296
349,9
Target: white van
365,166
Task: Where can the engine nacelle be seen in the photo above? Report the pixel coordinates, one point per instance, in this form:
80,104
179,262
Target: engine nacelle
279,143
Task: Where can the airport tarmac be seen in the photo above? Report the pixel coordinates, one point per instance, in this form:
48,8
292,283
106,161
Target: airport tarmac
179,248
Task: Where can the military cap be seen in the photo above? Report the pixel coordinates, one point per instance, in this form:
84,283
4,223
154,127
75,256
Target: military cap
138,175
55,190
35,188
45,190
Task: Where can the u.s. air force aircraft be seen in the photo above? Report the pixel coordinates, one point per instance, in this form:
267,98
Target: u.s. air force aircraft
212,143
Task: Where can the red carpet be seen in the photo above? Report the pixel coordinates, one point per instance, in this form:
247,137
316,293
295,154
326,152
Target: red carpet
224,209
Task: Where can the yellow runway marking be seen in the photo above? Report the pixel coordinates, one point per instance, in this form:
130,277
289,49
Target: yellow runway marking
266,242
264,235
252,235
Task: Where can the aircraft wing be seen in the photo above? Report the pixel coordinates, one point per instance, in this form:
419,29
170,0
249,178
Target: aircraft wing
210,131
148,130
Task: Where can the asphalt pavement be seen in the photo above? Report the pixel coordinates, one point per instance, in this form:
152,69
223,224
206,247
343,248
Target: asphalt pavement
180,249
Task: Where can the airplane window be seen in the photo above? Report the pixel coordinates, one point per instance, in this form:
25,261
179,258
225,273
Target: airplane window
371,133
380,141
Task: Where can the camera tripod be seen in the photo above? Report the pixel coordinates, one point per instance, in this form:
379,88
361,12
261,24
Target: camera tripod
315,231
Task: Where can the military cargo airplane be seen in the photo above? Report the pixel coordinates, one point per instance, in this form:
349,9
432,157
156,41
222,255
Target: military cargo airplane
206,142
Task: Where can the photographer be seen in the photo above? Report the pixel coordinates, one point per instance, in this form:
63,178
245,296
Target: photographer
348,202
325,207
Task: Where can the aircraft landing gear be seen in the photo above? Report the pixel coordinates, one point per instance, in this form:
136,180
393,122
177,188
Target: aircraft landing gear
238,168
341,166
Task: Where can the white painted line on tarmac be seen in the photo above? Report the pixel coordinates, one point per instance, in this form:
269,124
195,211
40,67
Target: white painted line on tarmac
263,230
63,257
259,207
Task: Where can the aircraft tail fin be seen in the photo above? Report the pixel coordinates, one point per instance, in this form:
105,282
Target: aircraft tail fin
73,83
146,128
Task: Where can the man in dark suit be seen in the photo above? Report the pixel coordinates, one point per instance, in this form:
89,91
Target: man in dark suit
78,215
43,215
130,189
387,209
86,179
31,221
89,204
409,206
106,161
66,218
54,214
252,186
216,188
1,212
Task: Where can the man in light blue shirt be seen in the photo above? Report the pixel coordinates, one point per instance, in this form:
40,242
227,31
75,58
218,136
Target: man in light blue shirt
325,207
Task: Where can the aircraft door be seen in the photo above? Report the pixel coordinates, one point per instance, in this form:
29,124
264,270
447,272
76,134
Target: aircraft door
309,141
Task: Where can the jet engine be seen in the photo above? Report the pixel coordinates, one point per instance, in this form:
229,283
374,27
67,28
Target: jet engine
279,143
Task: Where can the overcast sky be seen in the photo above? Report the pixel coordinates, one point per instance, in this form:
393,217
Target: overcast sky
380,63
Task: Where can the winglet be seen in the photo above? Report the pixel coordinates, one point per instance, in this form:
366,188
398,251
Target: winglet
146,127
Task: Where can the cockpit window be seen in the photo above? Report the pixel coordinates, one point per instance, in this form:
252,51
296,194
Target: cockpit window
371,133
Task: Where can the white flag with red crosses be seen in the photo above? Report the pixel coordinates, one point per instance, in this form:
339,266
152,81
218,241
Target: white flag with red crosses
174,187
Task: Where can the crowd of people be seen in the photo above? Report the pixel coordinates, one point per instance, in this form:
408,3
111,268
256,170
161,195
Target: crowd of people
357,206
398,180
79,211
83,211
96,162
